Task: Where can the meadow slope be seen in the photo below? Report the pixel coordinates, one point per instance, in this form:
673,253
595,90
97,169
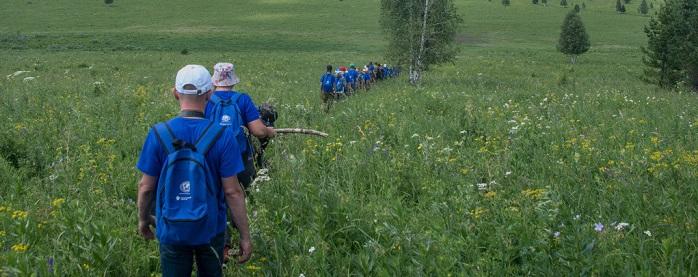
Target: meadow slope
506,162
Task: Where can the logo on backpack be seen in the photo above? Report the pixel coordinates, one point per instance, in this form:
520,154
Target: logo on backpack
225,120
188,195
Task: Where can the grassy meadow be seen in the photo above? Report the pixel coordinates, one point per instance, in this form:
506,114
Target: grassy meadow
510,161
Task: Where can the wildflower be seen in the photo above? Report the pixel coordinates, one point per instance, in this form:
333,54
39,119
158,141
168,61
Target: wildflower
598,227
415,135
252,267
507,173
478,212
311,250
19,215
534,193
482,186
621,226
19,248
556,234
2,209
648,233
302,275
57,202
2,234
490,194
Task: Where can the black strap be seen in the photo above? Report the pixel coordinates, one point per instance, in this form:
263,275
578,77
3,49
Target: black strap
191,113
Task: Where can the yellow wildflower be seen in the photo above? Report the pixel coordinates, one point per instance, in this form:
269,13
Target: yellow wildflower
656,155
86,266
19,215
3,233
56,203
490,194
534,193
2,209
19,248
252,267
478,212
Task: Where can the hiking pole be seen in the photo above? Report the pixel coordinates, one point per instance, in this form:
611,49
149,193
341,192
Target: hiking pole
300,131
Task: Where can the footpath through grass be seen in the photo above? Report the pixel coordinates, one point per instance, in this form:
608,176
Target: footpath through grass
506,162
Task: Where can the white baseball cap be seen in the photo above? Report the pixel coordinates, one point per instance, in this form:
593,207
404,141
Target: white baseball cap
196,78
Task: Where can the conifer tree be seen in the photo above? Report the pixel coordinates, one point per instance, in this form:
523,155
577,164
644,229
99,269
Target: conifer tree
622,8
644,9
563,3
671,55
577,8
574,40
618,5
544,2
506,3
535,2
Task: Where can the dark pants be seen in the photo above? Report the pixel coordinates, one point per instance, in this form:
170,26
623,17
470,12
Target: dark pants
245,178
177,260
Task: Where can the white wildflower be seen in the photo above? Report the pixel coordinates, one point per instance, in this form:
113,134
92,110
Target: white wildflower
311,250
507,173
621,226
482,186
648,233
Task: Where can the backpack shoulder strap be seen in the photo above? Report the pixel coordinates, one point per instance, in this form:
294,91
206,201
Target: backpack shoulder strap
235,97
209,137
215,99
165,135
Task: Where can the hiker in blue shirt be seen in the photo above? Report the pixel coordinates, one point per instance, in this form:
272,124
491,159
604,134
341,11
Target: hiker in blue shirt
248,120
340,85
352,77
165,143
366,76
372,71
327,83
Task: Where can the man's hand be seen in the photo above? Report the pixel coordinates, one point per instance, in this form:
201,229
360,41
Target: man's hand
144,228
245,251
271,132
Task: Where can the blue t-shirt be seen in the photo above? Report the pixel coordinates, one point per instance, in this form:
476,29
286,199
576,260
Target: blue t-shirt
327,78
366,76
248,110
223,157
352,75
371,68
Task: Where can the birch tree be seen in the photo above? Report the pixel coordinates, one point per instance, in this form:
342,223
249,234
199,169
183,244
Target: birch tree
420,33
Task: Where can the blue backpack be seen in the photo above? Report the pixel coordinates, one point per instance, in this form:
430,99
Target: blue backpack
340,85
327,83
226,112
187,204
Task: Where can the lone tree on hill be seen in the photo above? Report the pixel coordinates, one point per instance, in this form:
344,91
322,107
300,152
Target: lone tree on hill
644,8
622,8
506,3
421,33
671,54
577,9
545,2
618,5
563,3
574,40
535,2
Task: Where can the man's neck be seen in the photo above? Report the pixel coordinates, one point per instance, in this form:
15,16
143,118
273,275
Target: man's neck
224,88
198,107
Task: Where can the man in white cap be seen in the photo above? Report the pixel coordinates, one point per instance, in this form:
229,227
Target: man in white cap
233,108
222,161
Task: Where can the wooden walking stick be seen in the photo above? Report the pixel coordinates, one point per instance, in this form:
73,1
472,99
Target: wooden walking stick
300,131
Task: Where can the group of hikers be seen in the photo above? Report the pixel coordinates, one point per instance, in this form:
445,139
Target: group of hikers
195,167
345,81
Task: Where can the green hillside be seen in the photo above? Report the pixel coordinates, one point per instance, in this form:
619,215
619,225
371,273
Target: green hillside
502,163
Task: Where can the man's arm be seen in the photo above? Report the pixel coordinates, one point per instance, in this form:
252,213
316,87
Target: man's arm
235,198
146,189
258,129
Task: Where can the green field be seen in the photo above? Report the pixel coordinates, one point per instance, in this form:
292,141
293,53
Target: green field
498,164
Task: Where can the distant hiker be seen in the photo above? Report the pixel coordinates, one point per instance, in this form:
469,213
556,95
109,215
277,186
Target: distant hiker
340,84
372,71
327,82
228,107
366,77
352,77
189,166
380,72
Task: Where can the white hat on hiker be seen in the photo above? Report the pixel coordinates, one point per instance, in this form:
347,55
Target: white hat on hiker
193,79
224,75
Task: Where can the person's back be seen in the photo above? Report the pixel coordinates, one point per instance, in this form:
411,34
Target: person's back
187,229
